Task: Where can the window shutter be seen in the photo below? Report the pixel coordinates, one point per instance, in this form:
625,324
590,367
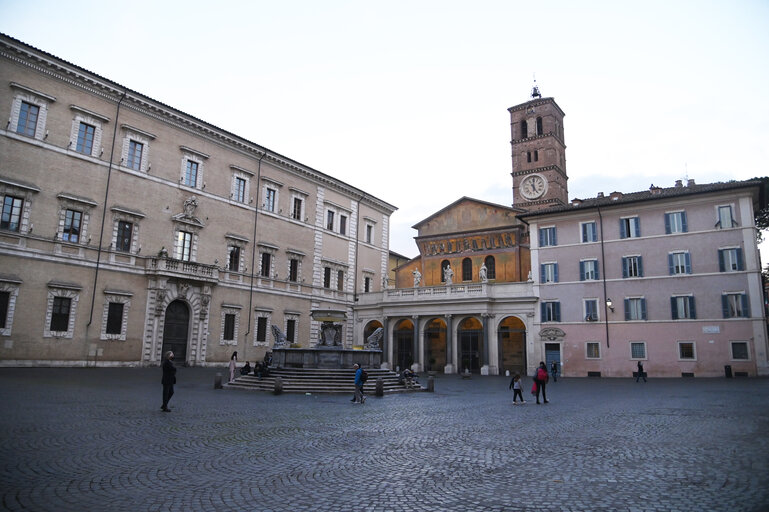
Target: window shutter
625,263
684,227
670,264
542,273
627,309
638,226
688,258
725,305
597,275
721,262
555,272
622,232
667,224
581,270
740,262
691,307
673,308
555,236
557,311
584,233
541,237
745,305
643,309
640,267
543,312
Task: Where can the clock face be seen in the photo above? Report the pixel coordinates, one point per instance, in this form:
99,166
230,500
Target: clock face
533,186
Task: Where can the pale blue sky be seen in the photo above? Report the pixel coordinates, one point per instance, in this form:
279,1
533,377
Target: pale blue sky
408,100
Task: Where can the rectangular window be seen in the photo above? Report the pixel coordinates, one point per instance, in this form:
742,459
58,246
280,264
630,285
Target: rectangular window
725,218
635,308
632,266
630,227
592,350
588,270
60,314
229,327
293,270
296,212
340,280
342,224
183,246
261,328
5,300
326,277
330,220
85,135
240,190
369,233
591,310
679,263
548,272
291,330
72,219
547,237
269,200
124,233
735,305
686,350
589,232
191,174
740,350
730,260
11,219
233,262
28,120
366,284
551,311
115,318
682,308
135,150
675,222
265,267
638,350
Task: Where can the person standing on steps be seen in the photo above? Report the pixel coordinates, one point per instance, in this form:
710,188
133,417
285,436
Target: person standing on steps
541,379
168,381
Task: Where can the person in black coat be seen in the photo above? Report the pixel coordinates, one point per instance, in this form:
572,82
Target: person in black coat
169,379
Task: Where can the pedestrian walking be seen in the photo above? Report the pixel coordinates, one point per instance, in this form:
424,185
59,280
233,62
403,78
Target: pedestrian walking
233,364
359,397
554,370
515,385
640,374
540,380
168,381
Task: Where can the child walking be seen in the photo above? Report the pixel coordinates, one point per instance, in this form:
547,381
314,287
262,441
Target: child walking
515,385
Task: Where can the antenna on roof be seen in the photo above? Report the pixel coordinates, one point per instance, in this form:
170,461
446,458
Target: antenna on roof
686,171
535,90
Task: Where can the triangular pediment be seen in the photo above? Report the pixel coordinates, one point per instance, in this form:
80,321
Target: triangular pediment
467,214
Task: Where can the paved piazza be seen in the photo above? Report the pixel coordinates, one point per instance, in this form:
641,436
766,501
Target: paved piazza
95,439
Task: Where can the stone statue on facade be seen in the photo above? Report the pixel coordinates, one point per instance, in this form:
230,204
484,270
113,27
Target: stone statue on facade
448,275
482,273
280,338
417,277
372,342
190,205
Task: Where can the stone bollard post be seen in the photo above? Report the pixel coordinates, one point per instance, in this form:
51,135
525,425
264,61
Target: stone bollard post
379,390
218,381
278,385
431,384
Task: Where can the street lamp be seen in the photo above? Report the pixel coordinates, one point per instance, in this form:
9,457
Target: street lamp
609,304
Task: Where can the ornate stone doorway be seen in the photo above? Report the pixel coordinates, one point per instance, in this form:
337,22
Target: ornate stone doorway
176,330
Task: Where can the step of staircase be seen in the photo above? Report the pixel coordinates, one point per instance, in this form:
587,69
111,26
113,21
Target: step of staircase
322,380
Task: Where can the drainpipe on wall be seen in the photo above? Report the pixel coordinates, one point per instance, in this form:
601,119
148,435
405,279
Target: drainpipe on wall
603,262
253,254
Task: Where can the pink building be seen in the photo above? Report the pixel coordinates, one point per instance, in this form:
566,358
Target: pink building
670,277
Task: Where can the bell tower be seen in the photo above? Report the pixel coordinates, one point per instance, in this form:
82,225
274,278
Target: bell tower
539,153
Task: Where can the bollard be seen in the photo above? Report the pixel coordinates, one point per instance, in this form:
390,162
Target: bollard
278,386
218,381
431,384
379,389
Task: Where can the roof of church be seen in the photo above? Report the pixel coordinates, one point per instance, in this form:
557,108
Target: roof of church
517,211
653,194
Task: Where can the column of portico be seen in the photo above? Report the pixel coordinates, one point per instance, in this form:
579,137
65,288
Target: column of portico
385,343
415,344
485,361
450,365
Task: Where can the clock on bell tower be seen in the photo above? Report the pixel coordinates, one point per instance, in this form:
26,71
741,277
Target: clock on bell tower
539,153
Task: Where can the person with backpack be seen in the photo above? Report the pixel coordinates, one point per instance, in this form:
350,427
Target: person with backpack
540,379
360,378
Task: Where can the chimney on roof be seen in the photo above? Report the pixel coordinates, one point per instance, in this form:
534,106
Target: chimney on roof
655,190
600,194
576,202
690,183
615,195
679,184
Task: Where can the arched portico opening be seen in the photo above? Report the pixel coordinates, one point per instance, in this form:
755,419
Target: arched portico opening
435,344
176,330
511,338
470,333
403,343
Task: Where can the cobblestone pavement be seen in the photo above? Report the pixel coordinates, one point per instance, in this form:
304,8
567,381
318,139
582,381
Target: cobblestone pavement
95,439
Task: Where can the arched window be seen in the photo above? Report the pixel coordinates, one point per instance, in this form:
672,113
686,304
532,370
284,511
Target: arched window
444,264
524,129
467,269
491,267
539,126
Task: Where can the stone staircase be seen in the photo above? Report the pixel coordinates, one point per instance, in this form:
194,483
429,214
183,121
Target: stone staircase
321,380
